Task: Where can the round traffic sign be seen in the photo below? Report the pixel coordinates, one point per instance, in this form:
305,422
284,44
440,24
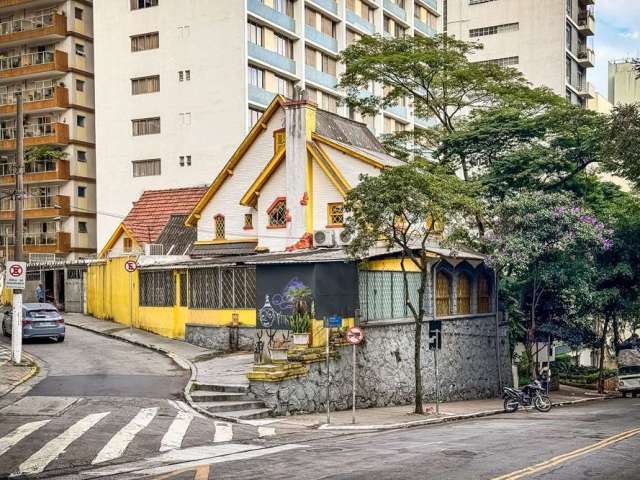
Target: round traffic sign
15,271
355,335
131,266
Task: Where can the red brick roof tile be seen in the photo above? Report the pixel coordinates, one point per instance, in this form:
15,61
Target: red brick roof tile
153,210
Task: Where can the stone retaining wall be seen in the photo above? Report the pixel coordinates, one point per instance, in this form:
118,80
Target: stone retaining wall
221,339
466,363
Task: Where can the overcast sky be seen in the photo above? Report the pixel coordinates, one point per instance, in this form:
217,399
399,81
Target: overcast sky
617,36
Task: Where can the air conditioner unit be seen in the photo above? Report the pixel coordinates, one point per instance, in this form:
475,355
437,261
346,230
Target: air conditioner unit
344,238
324,238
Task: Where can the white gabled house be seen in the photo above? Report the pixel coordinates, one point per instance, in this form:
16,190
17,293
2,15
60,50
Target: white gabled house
286,181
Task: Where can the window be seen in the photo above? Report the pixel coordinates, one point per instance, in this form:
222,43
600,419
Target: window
327,64
145,41
335,214
283,6
81,156
78,13
219,227
80,85
184,31
181,160
568,36
185,119
484,295
80,50
145,85
145,126
278,214
82,227
214,288
326,25
569,7
442,294
493,30
181,76
463,294
248,221
138,4
568,70
157,289
146,168
255,76
253,117
284,86
188,160
187,75
127,244
185,160
82,192
284,46
255,33
503,62
81,120
279,140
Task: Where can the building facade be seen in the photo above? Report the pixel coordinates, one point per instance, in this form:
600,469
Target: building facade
46,52
191,77
549,41
624,85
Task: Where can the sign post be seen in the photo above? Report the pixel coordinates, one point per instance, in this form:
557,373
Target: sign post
435,342
131,266
16,278
355,335
334,321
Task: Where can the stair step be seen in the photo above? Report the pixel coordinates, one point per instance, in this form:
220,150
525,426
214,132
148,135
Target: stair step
215,407
251,414
221,388
216,396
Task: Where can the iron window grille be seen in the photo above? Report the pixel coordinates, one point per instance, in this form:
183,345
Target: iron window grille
382,294
278,214
222,288
157,289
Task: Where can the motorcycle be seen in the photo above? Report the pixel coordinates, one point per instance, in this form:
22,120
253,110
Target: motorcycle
530,395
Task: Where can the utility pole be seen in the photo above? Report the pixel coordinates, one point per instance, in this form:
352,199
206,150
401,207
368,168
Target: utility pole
16,320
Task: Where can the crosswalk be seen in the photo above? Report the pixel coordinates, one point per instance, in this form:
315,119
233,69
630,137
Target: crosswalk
84,436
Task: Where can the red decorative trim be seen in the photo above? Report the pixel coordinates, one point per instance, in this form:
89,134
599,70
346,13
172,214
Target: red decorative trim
305,200
247,228
275,202
335,225
306,241
272,227
218,215
287,215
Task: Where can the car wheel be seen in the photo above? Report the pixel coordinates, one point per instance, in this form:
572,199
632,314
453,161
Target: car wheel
61,338
624,394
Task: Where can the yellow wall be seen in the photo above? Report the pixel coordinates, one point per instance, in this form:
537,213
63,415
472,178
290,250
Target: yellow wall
391,264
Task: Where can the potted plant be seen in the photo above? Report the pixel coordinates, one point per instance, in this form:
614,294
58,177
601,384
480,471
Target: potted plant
278,350
299,326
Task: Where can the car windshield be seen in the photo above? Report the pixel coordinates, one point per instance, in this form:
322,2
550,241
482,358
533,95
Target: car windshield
42,313
629,370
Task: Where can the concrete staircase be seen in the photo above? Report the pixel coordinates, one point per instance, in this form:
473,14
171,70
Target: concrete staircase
228,401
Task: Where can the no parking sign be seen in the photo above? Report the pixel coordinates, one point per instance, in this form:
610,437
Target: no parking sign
16,275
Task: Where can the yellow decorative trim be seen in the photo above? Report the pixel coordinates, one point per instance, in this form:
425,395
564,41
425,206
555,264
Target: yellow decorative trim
329,170
348,151
325,156
225,240
309,206
121,229
250,197
257,129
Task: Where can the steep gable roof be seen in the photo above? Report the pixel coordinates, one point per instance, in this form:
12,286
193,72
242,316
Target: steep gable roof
347,131
176,238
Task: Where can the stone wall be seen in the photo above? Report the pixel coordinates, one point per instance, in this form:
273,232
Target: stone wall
466,363
221,339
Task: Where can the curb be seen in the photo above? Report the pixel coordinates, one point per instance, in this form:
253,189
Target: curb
436,421
35,367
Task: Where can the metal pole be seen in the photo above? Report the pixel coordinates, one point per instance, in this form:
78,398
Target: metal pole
353,411
16,320
130,301
328,375
435,365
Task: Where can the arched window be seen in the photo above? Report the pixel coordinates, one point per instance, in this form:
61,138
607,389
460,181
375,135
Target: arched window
219,227
484,295
442,295
278,213
464,294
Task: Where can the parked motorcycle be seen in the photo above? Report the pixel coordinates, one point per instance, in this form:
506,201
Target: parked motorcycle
532,395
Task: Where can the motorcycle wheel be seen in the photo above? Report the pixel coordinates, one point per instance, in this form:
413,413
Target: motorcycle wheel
510,405
542,403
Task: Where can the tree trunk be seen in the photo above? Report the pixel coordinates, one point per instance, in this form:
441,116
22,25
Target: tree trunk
616,333
531,338
603,345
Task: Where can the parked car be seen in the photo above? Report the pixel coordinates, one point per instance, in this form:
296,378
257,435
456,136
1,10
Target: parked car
38,320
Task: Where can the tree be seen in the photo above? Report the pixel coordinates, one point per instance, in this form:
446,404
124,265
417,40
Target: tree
546,245
402,209
622,144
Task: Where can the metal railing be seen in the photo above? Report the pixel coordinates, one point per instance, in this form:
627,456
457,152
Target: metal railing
30,95
42,238
26,24
26,59
30,130
30,203
37,166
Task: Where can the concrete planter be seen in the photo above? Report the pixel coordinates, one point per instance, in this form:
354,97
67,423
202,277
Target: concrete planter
278,355
301,339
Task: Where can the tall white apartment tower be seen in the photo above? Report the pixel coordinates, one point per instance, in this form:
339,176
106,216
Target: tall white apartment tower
547,40
179,82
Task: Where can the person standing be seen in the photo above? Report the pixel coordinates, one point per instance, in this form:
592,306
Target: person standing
40,293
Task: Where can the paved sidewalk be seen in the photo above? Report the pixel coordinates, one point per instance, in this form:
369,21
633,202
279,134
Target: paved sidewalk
13,375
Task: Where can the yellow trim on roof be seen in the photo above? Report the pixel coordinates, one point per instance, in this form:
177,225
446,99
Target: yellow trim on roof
250,197
227,170
115,237
348,151
335,174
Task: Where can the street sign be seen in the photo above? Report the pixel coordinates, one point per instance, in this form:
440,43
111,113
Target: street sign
435,334
355,335
16,276
334,321
131,266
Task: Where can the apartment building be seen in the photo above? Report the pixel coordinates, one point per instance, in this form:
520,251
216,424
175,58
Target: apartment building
46,53
624,84
180,82
549,41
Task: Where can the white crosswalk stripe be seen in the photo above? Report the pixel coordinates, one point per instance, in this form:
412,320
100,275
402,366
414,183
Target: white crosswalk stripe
37,462
224,432
121,440
173,438
19,433
266,431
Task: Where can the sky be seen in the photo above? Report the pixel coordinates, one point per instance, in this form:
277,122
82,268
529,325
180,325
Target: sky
617,36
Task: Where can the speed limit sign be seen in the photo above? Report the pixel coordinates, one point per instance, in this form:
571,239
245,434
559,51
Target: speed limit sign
130,266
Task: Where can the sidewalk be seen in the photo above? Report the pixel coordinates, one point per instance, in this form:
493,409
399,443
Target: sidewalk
13,375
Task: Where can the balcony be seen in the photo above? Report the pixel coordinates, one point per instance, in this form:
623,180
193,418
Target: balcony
52,26
45,242
33,64
270,57
36,134
36,100
422,122
49,206
397,111
361,23
395,9
320,78
260,96
321,39
424,28
586,23
328,5
256,7
586,57
585,90
432,3
39,171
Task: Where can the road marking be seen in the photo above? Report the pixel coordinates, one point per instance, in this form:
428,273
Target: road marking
121,440
266,431
224,432
19,433
173,438
37,462
552,462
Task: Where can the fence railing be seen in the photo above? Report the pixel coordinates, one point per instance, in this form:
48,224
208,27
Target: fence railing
26,24
29,202
43,238
26,59
30,95
30,130
37,166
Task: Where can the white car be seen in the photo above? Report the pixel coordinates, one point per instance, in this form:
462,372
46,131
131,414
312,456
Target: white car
629,380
